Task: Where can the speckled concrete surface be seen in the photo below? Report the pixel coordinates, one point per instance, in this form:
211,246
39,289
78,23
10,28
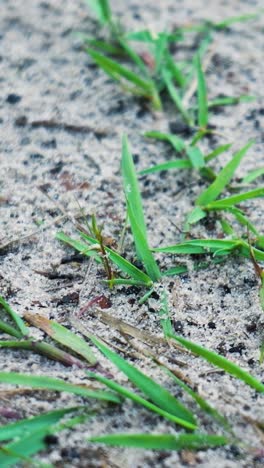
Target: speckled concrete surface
45,75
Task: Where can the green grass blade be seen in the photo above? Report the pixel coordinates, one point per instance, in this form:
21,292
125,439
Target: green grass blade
175,71
235,199
160,49
196,215
126,282
242,219
142,247
199,400
15,317
227,228
219,150
124,265
223,178
175,96
208,173
133,55
125,392
201,94
229,101
253,175
174,164
201,51
221,362
20,450
162,441
245,251
131,187
164,314
79,246
57,385
197,266
63,336
32,424
119,72
236,19
157,394
176,142
135,213
148,37
9,330
199,246
102,10
175,271
103,46
196,157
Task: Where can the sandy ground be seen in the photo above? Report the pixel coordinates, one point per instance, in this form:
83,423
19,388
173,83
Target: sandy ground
44,76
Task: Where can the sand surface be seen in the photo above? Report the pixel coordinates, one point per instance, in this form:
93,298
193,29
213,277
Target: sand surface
47,172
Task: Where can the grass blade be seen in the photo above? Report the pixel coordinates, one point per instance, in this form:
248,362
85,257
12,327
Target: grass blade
121,262
125,392
164,314
197,266
242,219
196,157
162,441
253,175
117,71
221,362
135,213
142,247
57,385
20,450
15,317
44,349
101,45
221,149
175,96
199,246
202,95
235,199
199,400
102,10
230,101
176,142
124,265
223,178
79,246
131,187
175,71
158,395
143,87
62,335
236,19
175,164
35,423
9,330
196,215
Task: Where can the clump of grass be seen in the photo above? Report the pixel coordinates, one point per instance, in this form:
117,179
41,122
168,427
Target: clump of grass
151,272
208,202
156,71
